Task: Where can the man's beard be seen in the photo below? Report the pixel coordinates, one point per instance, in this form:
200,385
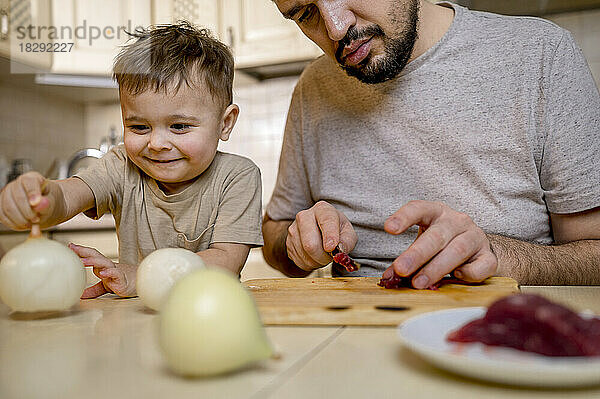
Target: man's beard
397,49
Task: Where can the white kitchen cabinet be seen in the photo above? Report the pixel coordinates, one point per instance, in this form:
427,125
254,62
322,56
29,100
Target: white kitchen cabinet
254,29
96,29
24,46
204,13
259,35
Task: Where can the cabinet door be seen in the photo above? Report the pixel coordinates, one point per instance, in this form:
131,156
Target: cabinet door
96,29
259,35
204,13
21,22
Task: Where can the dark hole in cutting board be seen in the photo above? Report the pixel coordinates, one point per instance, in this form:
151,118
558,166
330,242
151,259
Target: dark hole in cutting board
392,308
337,307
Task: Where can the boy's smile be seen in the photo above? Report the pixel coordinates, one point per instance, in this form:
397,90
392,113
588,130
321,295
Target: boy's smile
173,136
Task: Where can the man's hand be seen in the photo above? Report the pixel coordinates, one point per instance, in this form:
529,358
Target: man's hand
448,242
118,279
317,231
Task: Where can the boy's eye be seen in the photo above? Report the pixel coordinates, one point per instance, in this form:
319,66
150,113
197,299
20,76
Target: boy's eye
138,128
307,14
180,126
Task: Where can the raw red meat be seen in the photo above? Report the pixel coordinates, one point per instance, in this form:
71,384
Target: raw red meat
345,260
397,282
534,324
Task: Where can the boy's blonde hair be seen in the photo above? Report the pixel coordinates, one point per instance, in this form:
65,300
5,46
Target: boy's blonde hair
166,56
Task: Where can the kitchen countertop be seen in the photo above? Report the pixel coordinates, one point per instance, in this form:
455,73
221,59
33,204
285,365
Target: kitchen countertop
78,222
107,347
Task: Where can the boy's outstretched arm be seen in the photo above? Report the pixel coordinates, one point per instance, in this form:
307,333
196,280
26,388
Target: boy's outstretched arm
32,198
228,256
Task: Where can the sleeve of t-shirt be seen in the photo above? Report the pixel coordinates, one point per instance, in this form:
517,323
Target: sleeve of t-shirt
239,217
292,191
570,171
105,179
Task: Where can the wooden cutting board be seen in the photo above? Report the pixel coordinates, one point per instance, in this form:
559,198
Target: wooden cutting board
359,301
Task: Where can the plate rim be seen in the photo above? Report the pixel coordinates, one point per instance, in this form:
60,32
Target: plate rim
540,364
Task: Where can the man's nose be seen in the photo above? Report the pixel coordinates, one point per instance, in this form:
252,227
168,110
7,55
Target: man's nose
337,17
159,140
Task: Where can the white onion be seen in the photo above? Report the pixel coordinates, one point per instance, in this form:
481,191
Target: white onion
157,273
209,325
41,275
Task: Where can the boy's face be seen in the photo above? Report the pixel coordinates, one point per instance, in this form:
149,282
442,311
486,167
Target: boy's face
173,138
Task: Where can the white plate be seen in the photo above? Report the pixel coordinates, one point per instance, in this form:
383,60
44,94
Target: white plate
426,335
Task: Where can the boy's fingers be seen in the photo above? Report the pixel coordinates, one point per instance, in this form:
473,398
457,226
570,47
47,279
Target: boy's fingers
32,185
15,219
43,206
110,273
23,204
84,251
94,291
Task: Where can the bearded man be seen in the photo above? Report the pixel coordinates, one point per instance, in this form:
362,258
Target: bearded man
432,139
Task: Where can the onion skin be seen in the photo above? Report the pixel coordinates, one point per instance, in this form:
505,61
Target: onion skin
41,275
160,270
209,325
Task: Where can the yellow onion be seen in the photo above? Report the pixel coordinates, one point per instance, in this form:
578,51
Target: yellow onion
209,325
41,275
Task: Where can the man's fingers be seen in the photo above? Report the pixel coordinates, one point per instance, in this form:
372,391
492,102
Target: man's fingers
456,253
94,291
413,212
328,220
482,266
424,248
389,272
297,254
348,237
311,241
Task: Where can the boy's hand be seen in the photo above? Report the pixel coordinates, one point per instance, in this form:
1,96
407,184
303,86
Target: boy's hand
25,201
115,278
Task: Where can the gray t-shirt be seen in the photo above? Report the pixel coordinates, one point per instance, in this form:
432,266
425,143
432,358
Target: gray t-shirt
222,205
499,120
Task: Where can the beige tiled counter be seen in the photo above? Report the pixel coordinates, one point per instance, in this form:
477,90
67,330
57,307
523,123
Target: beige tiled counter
107,348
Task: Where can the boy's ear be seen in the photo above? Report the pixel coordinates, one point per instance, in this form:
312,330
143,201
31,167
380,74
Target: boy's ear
229,118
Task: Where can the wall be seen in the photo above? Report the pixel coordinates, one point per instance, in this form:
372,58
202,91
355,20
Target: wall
37,126
585,27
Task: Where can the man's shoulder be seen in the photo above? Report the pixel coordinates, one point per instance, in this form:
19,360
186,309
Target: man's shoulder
522,28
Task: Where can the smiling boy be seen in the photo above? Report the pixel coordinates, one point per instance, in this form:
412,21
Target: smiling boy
167,186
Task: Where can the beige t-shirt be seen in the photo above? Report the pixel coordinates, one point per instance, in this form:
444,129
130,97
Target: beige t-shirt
222,205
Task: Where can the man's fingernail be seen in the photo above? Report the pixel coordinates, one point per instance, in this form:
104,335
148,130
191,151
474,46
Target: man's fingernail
458,274
421,282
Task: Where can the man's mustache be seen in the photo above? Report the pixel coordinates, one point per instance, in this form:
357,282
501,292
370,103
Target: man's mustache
354,34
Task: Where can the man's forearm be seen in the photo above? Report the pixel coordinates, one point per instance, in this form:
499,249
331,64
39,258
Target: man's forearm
275,251
574,263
